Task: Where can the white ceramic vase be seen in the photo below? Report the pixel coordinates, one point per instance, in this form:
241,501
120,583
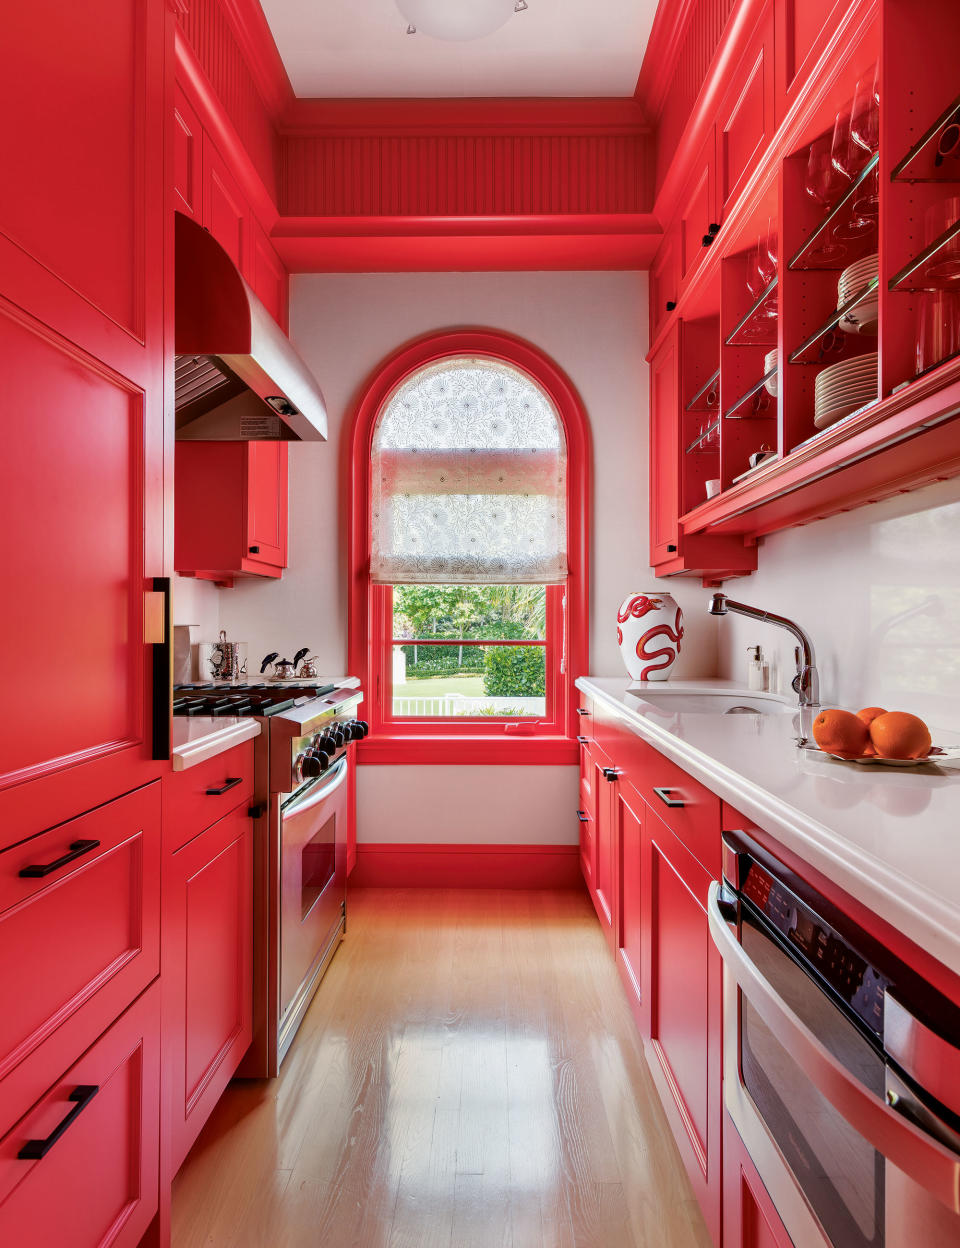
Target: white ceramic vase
649,631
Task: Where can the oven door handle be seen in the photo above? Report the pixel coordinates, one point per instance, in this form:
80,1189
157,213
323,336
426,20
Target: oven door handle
313,797
928,1162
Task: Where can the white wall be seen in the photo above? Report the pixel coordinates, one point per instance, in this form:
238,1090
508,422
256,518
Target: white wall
595,326
847,580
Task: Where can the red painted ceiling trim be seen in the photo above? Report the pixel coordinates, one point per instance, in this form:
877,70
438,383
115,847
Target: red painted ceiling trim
670,25
256,42
533,116
637,225
215,120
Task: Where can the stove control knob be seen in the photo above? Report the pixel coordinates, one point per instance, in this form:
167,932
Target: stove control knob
338,734
362,728
310,765
351,730
323,743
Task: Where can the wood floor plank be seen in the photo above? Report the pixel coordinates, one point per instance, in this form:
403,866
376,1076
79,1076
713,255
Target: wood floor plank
468,1074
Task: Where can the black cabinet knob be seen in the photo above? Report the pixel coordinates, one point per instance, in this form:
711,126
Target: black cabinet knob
671,549
671,304
254,550
707,240
713,228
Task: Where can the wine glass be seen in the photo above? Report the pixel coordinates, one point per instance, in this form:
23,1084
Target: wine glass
865,114
847,156
823,183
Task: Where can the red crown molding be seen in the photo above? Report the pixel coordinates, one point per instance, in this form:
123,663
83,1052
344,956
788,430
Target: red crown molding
416,117
660,58
255,39
597,241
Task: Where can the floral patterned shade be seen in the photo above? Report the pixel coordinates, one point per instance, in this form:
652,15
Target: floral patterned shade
468,479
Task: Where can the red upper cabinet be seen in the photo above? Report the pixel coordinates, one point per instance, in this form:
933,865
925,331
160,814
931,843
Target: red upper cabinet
225,212
698,208
664,282
745,123
231,509
81,325
268,276
803,29
187,158
665,449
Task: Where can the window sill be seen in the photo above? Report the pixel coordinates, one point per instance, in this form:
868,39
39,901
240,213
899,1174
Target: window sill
454,750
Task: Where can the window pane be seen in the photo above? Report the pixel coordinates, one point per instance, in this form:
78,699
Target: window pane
462,680
500,612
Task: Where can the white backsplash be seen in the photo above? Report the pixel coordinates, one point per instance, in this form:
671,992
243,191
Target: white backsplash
878,591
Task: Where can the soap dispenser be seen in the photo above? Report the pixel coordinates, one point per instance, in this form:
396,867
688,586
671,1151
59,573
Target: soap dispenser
756,669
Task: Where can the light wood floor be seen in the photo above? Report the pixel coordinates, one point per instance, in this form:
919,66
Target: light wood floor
468,1074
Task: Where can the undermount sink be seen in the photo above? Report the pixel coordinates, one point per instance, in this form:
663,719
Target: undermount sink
725,702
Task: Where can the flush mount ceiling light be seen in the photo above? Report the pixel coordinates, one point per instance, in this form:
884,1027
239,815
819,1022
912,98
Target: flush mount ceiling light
458,19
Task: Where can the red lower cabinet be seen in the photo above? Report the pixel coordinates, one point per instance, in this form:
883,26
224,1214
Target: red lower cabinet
80,1168
208,976
629,809
682,1007
749,1217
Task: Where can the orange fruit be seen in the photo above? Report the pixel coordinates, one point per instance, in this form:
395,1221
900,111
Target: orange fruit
870,713
899,735
869,750
841,732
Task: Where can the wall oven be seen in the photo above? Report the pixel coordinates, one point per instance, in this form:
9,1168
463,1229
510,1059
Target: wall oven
841,1066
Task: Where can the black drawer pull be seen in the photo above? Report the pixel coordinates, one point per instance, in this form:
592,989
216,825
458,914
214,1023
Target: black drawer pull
583,816
610,773
231,783
664,796
254,550
33,1150
584,740
77,850
582,710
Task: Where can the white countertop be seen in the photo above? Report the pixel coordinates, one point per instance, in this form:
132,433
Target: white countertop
199,737
888,836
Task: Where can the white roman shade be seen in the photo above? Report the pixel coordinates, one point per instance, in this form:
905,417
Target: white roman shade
468,480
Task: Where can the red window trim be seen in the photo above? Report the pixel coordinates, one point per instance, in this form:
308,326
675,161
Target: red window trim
473,741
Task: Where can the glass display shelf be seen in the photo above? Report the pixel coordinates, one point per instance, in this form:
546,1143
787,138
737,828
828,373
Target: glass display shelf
935,157
812,351
699,401
822,249
755,402
707,440
937,267
757,328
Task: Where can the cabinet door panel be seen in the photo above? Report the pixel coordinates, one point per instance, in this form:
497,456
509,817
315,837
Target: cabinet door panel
630,830
698,209
210,931
750,1219
187,158
682,999
664,450
98,1184
664,282
268,277
225,212
267,503
746,115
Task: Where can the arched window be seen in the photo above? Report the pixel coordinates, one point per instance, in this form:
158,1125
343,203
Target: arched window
468,584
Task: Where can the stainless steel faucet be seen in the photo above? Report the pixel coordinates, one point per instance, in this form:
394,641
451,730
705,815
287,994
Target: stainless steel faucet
806,683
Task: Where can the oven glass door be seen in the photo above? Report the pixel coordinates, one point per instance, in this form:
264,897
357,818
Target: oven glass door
840,1174
313,877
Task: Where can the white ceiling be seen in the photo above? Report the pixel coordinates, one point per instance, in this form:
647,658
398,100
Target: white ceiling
555,48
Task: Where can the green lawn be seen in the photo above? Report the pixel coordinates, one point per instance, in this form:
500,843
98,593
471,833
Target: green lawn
436,686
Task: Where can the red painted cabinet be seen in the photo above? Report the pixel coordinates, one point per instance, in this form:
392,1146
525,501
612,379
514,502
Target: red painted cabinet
698,219
225,212
750,1219
601,785
267,275
81,323
682,1008
187,158
665,449
664,282
745,121
630,818
208,950
80,1168
231,509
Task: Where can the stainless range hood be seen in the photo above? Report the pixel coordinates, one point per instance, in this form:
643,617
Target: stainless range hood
238,378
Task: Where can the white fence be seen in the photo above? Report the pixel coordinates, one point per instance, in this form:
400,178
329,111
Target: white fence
448,704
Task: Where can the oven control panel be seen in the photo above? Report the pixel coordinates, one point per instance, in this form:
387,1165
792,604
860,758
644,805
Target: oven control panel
833,958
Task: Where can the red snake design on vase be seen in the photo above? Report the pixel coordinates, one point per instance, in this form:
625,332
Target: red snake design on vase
634,637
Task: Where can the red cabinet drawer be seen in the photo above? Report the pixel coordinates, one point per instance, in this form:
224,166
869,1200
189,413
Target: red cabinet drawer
78,943
208,943
97,1183
199,796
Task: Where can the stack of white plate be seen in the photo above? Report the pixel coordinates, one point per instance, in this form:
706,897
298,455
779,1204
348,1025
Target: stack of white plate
862,319
842,388
769,364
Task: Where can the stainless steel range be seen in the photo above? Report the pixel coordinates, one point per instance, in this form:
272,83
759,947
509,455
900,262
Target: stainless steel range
302,776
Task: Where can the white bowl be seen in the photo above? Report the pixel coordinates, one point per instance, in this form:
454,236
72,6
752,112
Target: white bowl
713,487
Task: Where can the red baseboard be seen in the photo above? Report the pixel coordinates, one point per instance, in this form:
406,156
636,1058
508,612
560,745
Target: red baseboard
467,866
